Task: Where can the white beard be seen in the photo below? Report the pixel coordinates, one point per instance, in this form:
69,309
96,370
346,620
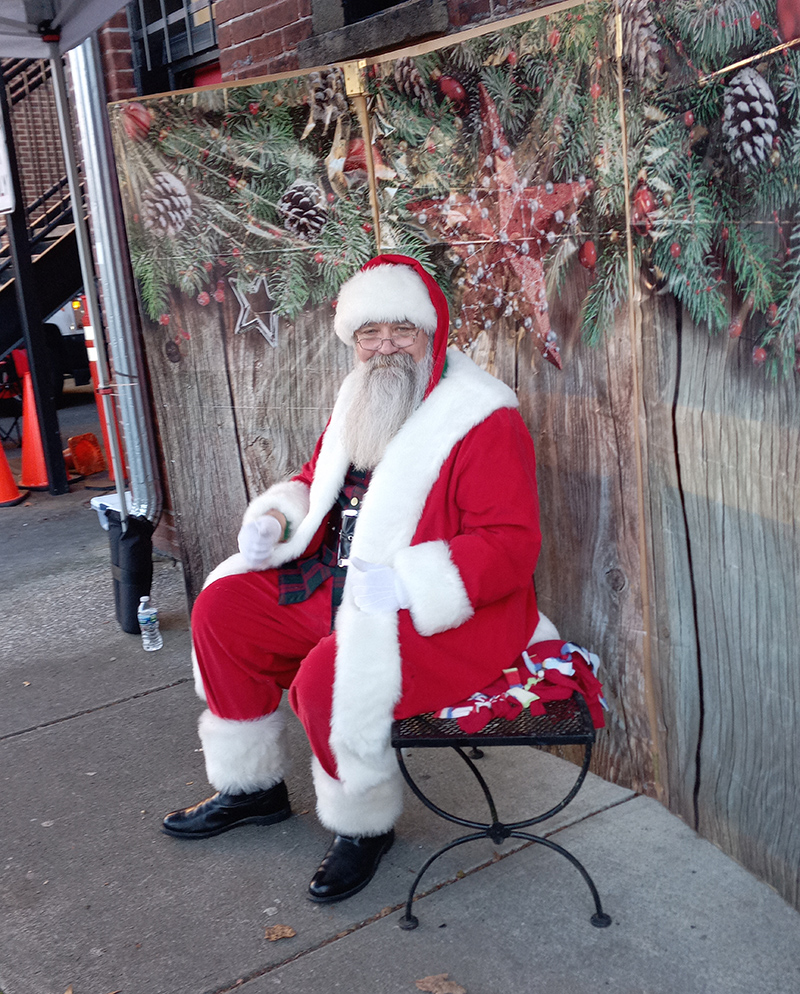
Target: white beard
388,389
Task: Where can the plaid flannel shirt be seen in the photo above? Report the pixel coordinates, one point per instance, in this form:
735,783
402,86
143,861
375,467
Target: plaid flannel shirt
299,578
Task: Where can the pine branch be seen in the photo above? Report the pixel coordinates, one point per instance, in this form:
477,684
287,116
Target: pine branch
712,30
608,292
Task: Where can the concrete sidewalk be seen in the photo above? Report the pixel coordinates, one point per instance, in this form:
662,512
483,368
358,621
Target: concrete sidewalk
97,741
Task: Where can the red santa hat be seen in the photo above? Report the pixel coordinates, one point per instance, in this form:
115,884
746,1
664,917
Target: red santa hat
395,288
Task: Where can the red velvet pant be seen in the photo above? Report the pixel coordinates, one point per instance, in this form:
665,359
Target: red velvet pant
250,649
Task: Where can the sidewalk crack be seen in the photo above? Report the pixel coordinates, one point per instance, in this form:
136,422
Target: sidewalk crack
99,707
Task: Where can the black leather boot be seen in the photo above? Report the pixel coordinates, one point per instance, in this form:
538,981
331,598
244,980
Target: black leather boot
221,812
348,866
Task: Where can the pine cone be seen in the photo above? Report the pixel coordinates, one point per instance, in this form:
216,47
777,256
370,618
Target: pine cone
166,205
327,96
750,119
408,80
302,208
640,44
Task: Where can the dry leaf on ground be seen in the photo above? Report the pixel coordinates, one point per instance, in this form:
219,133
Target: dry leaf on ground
275,932
439,984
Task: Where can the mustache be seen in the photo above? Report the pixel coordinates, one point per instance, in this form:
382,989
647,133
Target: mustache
396,360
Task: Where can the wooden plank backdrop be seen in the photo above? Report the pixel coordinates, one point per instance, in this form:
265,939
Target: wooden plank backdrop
683,578
725,493
235,414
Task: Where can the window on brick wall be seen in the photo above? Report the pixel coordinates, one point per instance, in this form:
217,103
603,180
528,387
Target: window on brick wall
174,43
357,10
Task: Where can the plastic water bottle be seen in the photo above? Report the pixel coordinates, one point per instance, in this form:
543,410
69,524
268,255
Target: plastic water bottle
147,616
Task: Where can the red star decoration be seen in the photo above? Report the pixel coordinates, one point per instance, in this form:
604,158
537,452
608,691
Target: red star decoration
502,230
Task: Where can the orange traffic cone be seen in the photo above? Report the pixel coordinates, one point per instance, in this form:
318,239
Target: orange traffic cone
10,493
85,455
34,468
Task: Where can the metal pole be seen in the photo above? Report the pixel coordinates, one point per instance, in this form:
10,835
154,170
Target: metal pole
114,270
87,272
31,320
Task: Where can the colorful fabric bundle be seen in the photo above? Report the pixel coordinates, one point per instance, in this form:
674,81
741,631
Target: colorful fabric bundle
546,671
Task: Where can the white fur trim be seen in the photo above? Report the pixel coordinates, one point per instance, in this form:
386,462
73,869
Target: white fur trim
438,596
228,567
369,812
368,680
545,631
366,687
289,497
199,688
243,756
390,292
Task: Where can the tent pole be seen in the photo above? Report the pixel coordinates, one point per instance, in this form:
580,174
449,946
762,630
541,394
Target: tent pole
87,272
116,279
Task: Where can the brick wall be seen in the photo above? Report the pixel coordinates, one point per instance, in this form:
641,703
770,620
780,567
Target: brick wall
257,38
114,41
34,125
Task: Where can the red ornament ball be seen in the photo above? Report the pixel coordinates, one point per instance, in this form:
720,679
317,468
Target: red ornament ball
208,266
319,258
511,58
644,203
644,200
594,91
136,120
367,227
554,38
688,119
725,234
219,295
254,106
755,20
675,250
203,298
164,319
587,255
453,90
759,355
735,329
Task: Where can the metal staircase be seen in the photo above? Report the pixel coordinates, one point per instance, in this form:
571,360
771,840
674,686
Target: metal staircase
51,230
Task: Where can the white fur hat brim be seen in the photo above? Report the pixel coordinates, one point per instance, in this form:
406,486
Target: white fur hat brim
387,293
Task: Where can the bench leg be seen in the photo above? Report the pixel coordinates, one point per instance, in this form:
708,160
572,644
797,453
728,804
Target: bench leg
409,921
599,919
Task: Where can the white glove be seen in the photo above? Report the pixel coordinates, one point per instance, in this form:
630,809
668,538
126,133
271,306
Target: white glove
376,589
257,539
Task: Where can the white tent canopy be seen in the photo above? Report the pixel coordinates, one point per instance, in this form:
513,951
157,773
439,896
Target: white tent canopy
74,20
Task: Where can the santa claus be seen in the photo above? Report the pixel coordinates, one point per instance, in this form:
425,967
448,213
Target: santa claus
391,577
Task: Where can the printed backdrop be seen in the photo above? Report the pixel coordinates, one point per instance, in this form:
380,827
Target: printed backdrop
610,204
499,161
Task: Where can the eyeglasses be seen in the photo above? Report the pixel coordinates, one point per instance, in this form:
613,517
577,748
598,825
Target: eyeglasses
402,336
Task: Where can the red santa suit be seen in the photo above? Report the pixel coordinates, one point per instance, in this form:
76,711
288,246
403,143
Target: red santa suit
452,508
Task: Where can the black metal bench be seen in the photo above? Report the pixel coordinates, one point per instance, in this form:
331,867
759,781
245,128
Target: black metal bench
566,722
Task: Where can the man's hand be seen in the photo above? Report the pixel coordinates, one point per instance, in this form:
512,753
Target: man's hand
257,539
376,589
